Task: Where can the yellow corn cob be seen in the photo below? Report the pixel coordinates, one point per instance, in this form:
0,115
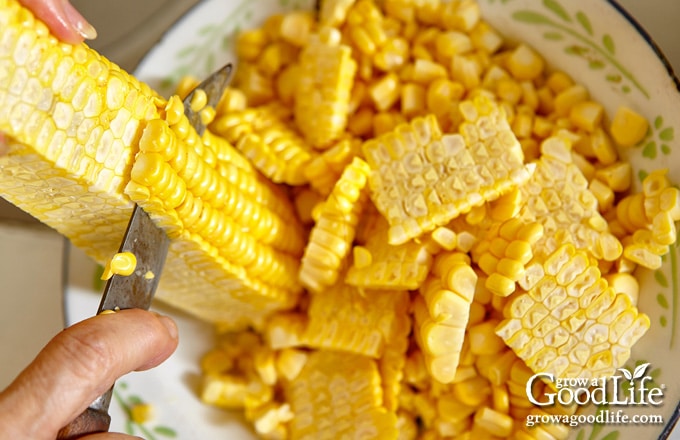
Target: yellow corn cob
323,90
403,266
571,323
331,237
441,176
441,315
74,124
348,383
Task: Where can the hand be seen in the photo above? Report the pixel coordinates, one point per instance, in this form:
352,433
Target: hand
77,366
63,19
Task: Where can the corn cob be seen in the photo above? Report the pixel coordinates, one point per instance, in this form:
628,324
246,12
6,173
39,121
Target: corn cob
350,384
441,176
74,124
323,89
571,323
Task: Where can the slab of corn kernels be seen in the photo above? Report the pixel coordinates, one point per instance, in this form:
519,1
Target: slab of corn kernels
492,226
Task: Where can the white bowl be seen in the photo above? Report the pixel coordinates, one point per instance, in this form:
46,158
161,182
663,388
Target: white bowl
601,47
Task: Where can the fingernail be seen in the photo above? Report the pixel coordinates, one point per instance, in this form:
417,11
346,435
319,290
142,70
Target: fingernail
82,26
169,325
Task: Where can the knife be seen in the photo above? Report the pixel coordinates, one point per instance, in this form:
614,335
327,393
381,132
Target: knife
150,245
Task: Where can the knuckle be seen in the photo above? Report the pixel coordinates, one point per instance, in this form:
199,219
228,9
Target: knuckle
87,353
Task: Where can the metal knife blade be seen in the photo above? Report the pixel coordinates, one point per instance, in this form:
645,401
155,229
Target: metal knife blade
150,246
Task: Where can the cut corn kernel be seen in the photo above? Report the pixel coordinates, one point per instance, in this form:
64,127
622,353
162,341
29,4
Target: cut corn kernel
558,198
215,197
122,263
628,127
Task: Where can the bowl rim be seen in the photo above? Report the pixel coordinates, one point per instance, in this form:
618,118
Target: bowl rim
675,416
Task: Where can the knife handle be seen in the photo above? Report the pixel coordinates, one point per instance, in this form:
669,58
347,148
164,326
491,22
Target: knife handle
89,421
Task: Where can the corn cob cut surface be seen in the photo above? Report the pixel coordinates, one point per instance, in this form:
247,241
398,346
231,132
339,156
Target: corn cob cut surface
439,176
384,266
557,197
339,396
571,323
87,139
323,90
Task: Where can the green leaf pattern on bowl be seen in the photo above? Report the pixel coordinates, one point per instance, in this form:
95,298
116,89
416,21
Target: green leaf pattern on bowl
149,431
598,51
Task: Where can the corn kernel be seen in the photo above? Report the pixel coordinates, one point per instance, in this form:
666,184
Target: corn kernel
385,91
524,63
494,422
628,127
617,176
568,98
586,115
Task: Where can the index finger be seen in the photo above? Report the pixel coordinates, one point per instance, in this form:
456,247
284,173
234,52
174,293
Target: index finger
78,365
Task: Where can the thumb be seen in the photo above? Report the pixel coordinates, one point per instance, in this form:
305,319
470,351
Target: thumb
78,365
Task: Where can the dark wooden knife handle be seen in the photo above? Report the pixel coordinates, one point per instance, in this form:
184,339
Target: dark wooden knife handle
89,421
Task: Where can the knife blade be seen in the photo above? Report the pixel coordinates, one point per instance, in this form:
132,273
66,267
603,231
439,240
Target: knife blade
150,246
